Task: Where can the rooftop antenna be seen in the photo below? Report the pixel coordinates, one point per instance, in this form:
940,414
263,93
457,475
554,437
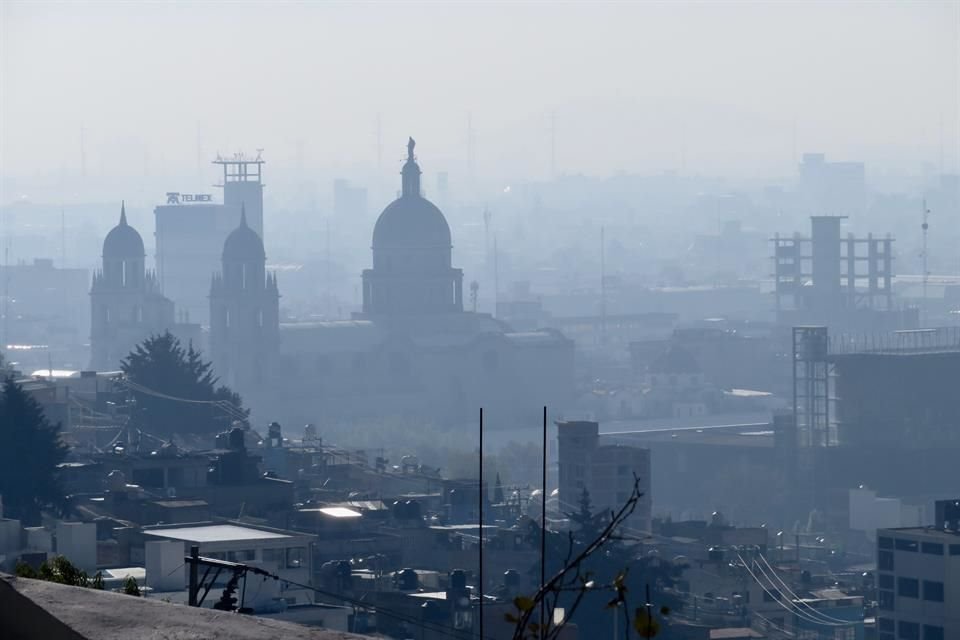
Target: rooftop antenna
553,144
926,272
379,145
603,286
6,291
199,151
496,276
83,155
471,160
63,240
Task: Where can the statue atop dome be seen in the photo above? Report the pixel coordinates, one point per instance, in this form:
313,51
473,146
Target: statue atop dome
411,143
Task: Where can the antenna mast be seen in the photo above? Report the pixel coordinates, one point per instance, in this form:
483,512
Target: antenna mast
553,144
926,271
603,287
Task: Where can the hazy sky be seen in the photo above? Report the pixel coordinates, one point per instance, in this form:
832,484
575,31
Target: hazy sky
634,87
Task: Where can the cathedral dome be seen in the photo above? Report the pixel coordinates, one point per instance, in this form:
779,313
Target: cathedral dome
243,243
411,221
123,241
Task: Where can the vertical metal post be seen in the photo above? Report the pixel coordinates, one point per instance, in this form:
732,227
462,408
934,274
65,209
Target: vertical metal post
480,496
543,532
194,569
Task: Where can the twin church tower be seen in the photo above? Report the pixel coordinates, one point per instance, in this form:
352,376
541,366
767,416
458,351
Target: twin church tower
412,274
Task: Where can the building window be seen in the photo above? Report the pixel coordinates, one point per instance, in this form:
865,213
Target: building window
296,558
885,581
932,591
908,587
933,548
886,624
885,560
885,600
847,633
908,630
906,545
884,542
623,470
932,633
955,549
272,556
242,555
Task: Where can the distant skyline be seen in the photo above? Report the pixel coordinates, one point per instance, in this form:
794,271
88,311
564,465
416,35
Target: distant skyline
736,89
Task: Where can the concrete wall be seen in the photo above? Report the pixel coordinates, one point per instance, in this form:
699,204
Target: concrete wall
163,558
78,542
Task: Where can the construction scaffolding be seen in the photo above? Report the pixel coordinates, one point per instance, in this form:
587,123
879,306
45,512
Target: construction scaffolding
811,388
825,272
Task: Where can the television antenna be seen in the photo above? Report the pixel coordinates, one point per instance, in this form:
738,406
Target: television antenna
926,271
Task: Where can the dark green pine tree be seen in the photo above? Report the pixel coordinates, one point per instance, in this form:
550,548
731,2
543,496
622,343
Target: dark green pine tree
174,390
30,451
589,524
498,497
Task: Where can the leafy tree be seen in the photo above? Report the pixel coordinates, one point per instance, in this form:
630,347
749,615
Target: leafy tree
130,587
589,524
175,391
30,452
61,571
97,582
498,496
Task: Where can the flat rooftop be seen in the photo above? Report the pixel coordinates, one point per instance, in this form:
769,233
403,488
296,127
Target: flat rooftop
946,535
215,533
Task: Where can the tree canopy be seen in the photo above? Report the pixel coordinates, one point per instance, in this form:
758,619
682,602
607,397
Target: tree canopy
30,451
176,391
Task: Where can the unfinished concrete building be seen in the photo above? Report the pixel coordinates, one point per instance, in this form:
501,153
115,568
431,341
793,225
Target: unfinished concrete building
827,279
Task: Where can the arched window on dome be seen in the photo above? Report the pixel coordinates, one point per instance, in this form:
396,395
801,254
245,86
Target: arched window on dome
226,319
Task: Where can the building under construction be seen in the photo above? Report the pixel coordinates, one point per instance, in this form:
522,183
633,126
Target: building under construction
878,409
844,282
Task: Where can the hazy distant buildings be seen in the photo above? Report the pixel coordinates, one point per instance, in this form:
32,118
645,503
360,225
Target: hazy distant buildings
191,229
413,350
43,311
244,312
605,469
349,201
831,188
126,305
845,282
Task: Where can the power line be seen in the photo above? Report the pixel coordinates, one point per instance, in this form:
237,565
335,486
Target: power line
791,593
792,607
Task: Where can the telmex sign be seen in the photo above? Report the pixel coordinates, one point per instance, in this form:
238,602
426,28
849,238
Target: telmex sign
174,197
